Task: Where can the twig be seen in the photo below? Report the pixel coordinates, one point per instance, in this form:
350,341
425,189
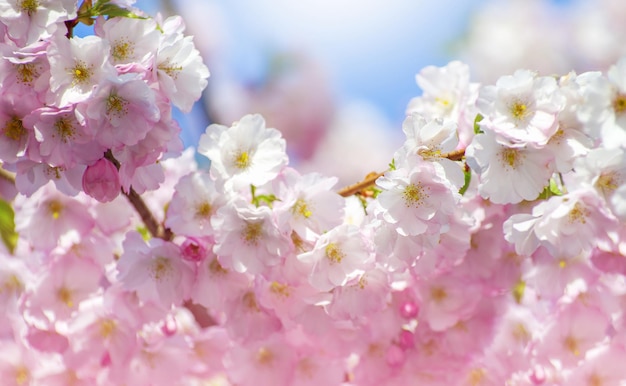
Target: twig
7,176
371,178
355,188
154,227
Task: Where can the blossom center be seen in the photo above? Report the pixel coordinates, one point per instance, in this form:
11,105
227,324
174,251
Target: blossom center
160,268
203,210
116,105
301,208
413,195
578,214
81,73
122,49
29,6
476,377
14,129
511,157
334,253
571,344
264,356
252,233
242,160
22,375
438,294
170,69
608,182
280,289
26,73
249,301
55,208
64,129
65,296
619,104
107,327
216,268
519,110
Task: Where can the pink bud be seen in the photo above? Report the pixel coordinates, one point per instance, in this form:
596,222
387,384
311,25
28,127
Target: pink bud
538,376
101,181
409,310
407,340
193,249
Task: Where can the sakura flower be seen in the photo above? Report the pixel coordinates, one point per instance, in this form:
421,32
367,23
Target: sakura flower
48,216
247,238
430,140
361,296
63,141
447,300
116,105
310,204
33,175
567,225
605,366
30,21
521,109
179,70
604,108
15,137
77,65
216,286
508,174
574,330
156,272
133,41
23,71
605,170
246,153
417,200
269,362
63,285
338,256
447,95
196,199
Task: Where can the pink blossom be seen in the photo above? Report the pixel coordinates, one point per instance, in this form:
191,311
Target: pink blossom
339,255
156,271
246,153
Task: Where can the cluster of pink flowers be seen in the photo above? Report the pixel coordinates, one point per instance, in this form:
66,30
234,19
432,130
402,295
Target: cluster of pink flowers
68,101
492,252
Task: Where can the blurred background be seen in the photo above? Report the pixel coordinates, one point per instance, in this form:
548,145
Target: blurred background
335,76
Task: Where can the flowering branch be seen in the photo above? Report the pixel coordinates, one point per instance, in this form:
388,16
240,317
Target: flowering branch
371,178
154,227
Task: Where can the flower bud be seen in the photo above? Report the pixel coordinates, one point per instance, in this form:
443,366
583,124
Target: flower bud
101,181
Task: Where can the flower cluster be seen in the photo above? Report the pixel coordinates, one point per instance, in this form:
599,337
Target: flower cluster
69,101
491,252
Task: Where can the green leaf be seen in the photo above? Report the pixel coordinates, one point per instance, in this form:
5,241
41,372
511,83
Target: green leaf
549,191
468,177
7,226
392,165
144,232
477,129
112,10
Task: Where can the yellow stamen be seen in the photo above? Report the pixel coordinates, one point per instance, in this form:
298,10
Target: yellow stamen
252,233
413,195
334,253
301,208
14,129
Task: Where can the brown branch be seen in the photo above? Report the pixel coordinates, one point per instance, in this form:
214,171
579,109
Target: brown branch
355,188
155,228
371,178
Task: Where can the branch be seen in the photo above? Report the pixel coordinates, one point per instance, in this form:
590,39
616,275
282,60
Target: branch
7,176
355,188
155,228
371,178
